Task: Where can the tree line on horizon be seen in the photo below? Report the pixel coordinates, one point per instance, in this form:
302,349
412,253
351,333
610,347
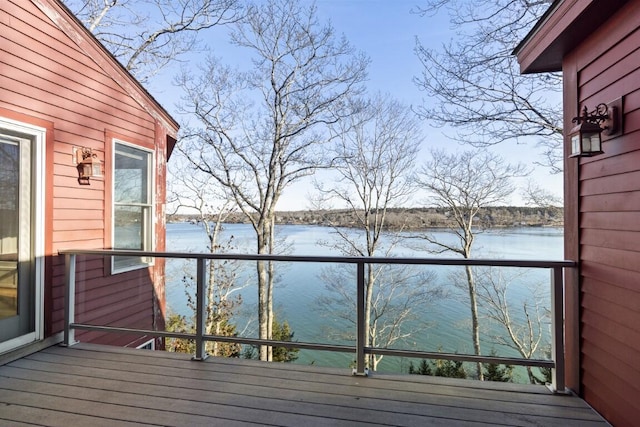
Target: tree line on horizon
409,218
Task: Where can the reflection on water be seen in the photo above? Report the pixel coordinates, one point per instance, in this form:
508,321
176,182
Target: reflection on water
440,325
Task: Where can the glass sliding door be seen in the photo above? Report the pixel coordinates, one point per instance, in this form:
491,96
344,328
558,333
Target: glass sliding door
17,304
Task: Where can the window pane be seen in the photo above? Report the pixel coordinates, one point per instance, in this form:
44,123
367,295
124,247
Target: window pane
9,227
131,175
132,204
129,227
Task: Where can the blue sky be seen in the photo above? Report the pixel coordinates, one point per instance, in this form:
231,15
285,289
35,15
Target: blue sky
385,30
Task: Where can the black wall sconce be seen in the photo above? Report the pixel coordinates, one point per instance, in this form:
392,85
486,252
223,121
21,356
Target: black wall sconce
586,139
88,165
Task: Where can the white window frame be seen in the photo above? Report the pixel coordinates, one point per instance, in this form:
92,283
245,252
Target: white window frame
38,136
148,345
151,241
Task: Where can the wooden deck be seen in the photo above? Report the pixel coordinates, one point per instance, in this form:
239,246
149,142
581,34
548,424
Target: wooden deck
88,385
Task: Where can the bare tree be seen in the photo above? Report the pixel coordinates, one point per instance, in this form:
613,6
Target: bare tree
263,129
536,196
463,183
476,82
525,330
374,162
147,35
201,196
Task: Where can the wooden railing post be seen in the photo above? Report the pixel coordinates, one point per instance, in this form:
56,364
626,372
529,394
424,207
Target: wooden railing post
361,329
69,298
557,345
201,300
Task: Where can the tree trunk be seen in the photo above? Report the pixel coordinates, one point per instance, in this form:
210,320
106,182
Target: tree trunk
475,325
265,288
370,334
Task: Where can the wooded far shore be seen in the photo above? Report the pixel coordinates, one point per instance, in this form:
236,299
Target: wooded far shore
407,218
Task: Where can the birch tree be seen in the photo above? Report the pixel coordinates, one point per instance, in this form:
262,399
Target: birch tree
199,195
524,331
147,35
474,83
262,129
374,161
462,183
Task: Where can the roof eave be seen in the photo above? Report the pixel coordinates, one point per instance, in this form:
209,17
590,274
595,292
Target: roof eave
561,29
73,28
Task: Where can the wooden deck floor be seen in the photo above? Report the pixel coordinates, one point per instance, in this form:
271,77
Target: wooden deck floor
88,385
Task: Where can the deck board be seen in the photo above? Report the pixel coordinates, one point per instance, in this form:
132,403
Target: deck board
113,386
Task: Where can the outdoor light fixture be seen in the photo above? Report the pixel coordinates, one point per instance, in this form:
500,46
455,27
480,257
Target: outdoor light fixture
586,139
88,165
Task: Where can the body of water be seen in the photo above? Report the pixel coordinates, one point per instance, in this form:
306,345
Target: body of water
442,323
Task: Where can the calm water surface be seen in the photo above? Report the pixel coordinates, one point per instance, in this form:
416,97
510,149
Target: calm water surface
442,324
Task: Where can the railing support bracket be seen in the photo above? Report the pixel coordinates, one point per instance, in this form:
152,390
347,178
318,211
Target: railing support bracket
355,372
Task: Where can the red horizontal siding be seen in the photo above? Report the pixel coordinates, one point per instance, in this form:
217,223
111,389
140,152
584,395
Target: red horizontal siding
72,203
632,103
78,212
625,279
623,221
608,66
618,76
111,306
611,239
83,117
611,58
617,258
616,407
47,76
620,183
69,225
77,235
47,45
141,320
110,309
611,202
622,297
617,320
615,163
621,366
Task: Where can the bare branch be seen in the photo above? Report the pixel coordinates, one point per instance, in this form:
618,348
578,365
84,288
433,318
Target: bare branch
374,160
463,183
476,82
261,130
147,35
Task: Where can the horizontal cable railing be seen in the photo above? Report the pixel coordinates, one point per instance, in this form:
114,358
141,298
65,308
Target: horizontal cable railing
557,363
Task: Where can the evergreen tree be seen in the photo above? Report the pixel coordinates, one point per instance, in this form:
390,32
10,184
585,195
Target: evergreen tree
494,372
179,323
497,372
450,369
439,368
423,369
281,332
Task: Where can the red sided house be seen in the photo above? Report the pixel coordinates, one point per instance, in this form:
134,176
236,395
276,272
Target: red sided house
83,151
596,45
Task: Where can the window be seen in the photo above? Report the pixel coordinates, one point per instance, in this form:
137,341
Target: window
149,345
132,204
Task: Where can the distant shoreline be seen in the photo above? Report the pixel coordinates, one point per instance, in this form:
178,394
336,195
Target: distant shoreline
407,218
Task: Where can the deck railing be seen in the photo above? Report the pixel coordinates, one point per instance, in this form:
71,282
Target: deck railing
556,363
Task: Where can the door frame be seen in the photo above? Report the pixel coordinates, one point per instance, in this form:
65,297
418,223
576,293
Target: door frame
38,137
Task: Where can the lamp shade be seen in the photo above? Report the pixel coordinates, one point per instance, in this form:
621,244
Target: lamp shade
88,165
586,140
